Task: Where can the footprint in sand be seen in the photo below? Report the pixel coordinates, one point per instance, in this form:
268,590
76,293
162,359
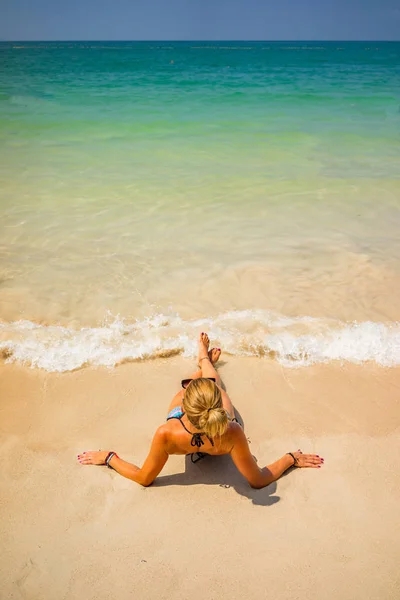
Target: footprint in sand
31,582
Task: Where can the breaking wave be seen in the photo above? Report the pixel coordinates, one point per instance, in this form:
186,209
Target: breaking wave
293,342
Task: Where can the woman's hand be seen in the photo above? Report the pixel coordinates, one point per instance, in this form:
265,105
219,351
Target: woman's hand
307,460
93,457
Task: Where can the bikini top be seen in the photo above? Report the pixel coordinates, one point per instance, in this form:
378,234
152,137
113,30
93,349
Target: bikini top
197,440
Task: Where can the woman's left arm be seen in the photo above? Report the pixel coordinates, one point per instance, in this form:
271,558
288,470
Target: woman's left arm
152,466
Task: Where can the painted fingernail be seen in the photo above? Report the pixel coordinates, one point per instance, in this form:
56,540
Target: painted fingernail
319,466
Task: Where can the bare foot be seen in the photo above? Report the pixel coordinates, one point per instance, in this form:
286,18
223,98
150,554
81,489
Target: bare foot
204,343
214,355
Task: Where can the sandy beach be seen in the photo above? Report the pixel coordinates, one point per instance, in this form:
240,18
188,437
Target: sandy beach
151,191
72,532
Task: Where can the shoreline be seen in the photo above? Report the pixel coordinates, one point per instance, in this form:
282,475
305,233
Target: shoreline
294,342
71,531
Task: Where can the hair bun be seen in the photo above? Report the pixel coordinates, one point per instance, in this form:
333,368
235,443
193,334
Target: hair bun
202,403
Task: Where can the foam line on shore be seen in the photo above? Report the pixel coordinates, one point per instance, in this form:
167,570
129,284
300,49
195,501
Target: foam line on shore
293,342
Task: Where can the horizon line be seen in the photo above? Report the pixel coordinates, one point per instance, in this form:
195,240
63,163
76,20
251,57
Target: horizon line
203,41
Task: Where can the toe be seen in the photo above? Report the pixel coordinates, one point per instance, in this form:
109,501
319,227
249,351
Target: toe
214,355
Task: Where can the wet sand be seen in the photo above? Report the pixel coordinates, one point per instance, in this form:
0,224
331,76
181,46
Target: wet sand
76,532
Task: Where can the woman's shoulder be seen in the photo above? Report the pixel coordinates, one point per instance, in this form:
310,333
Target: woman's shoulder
232,435
170,431
162,432
235,427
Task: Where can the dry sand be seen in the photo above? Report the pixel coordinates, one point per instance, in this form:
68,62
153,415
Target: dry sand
78,532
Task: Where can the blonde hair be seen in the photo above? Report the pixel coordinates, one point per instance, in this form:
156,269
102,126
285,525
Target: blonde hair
202,404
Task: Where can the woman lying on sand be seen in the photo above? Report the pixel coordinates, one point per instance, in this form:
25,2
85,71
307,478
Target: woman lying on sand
201,416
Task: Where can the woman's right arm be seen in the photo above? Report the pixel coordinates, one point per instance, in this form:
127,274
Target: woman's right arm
145,475
259,478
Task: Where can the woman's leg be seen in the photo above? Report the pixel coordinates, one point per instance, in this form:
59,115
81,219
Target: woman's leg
213,355
208,370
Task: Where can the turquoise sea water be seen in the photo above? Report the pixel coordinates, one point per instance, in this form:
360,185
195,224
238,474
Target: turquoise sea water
197,179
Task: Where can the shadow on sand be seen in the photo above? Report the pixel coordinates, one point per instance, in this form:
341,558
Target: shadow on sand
219,471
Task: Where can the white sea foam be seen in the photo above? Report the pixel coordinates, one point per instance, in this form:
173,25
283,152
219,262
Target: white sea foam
293,342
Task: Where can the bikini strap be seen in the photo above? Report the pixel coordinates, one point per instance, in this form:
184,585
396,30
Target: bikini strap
183,424
196,456
197,440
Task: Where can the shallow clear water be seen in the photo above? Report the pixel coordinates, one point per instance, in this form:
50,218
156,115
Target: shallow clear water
183,179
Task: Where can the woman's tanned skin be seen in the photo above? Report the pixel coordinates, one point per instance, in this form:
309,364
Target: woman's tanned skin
171,438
